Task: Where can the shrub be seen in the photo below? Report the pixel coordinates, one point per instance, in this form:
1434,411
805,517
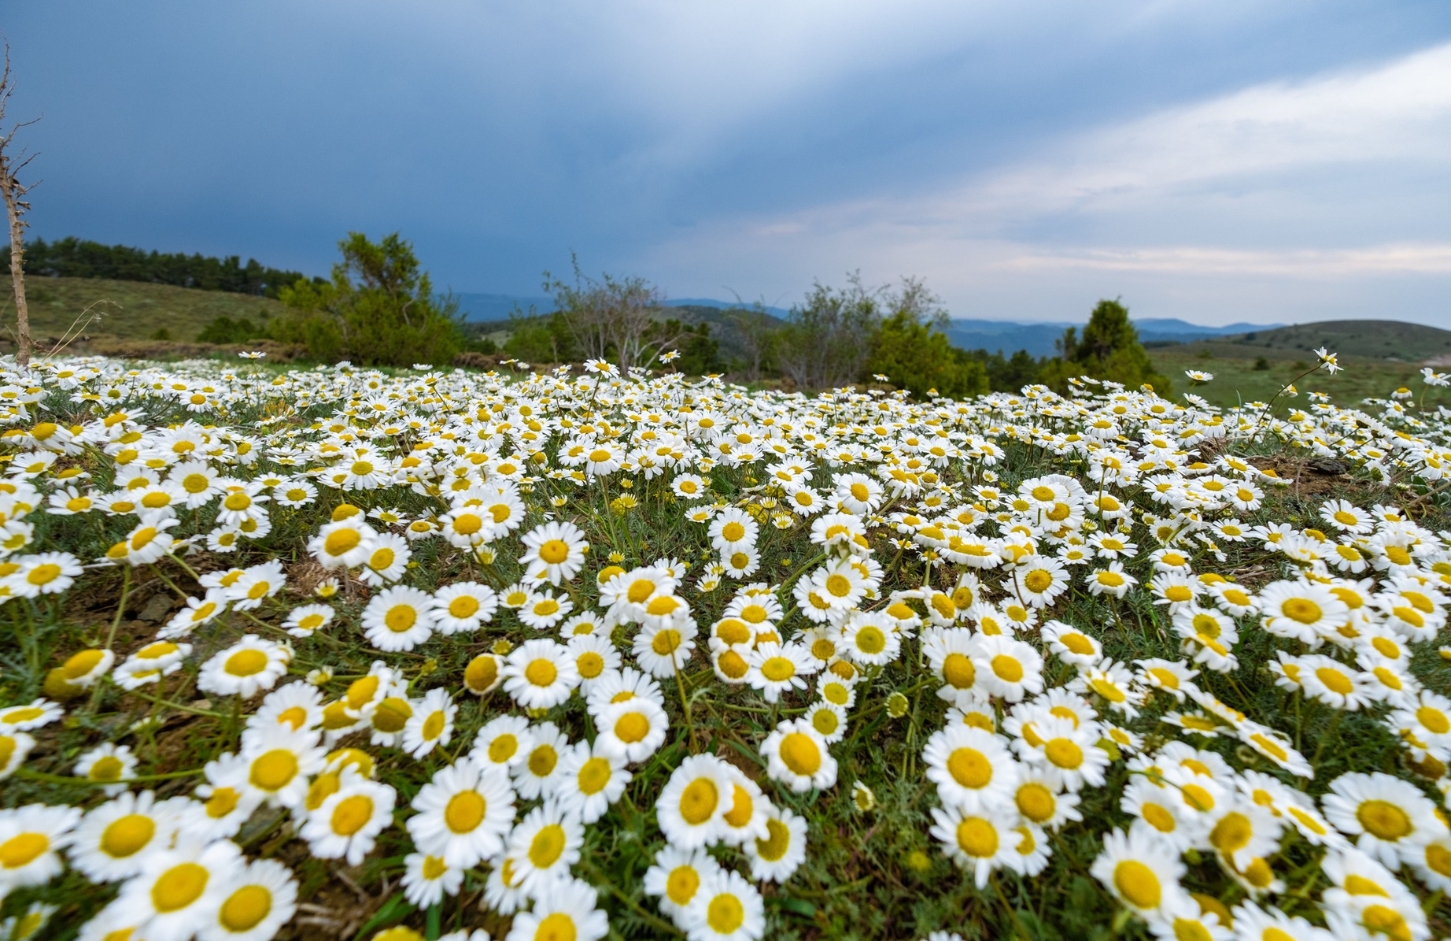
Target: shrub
224,329
913,352
1109,349
378,309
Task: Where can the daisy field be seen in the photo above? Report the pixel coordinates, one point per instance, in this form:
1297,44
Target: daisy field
337,652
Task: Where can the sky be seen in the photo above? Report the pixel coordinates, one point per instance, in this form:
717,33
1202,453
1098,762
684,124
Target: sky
1224,161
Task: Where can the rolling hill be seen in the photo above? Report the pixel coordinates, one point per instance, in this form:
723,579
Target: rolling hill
132,310
1373,339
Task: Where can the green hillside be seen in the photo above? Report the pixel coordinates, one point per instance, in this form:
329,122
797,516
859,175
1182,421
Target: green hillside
1377,339
1378,356
129,309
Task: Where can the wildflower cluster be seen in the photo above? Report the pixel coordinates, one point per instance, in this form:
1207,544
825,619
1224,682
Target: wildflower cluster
482,630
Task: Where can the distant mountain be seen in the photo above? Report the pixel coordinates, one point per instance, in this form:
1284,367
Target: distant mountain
489,313
779,312
477,307
1038,338
497,307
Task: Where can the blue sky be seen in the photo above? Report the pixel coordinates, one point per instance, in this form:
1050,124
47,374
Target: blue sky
1216,161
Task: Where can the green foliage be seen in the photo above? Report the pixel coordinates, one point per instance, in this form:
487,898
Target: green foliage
73,258
1109,349
1261,364
379,309
541,339
226,330
828,340
1010,373
913,352
612,318
699,352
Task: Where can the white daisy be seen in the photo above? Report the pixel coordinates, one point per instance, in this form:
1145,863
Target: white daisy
463,814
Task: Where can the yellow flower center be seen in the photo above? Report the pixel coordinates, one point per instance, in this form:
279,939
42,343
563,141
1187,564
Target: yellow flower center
1301,609
870,640
352,814
464,606
1036,802
547,846
1038,581
274,770
556,927
594,775
542,761
698,801
245,908
1007,668
725,913
777,841
1383,820
590,664
1137,884
631,728
970,768
127,835
342,542
464,811
400,618
1064,753
682,883
22,849
541,672
977,837
179,887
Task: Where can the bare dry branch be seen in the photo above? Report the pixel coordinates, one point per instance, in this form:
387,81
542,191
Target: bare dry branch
13,192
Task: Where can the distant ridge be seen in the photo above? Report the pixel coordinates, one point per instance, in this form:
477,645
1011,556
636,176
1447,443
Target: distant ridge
1038,338
1376,339
478,307
725,305
486,307
491,312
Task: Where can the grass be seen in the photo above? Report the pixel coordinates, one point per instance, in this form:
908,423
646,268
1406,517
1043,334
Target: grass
132,310
1237,380
874,874
1378,339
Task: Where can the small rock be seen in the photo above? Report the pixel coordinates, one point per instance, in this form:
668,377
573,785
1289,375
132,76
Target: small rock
1324,465
157,609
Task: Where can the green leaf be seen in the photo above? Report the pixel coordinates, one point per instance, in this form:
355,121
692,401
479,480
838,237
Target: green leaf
390,912
797,906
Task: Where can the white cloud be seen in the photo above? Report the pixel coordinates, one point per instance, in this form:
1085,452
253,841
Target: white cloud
1397,114
1333,264
1281,183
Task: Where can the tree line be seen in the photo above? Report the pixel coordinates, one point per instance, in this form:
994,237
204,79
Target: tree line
76,258
379,308
836,336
